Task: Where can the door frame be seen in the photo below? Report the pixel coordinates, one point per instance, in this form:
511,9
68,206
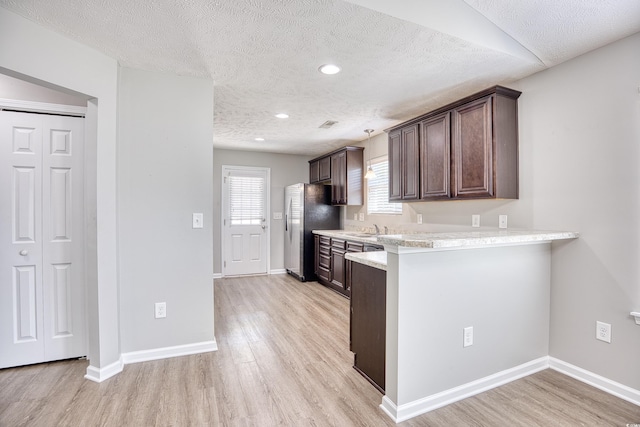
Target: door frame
223,207
35,107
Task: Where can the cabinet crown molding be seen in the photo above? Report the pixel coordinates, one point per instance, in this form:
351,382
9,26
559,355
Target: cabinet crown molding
498,90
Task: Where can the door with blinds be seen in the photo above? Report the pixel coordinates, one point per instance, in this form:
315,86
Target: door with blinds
244,220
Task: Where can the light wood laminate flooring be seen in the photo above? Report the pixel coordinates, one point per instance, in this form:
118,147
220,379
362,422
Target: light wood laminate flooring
283,359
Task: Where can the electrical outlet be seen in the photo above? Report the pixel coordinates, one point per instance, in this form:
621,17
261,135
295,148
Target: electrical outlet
502,221
361,216
355,216
603,332
419,218
475,220
161,310
467,339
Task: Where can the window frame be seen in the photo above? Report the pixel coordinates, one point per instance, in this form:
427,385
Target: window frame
383,188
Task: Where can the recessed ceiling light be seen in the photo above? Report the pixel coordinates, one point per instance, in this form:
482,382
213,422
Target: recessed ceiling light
259,139
282,116
329,69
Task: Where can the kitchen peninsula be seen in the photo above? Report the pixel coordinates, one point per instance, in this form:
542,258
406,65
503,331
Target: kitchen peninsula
465,312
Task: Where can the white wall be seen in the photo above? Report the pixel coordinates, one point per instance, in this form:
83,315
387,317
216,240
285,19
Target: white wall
165,161
579,136
285,169
31,52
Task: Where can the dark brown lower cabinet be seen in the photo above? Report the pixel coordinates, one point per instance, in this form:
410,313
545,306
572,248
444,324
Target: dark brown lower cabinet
368,321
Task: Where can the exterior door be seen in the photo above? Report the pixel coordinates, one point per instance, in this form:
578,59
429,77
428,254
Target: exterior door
245,226
42,302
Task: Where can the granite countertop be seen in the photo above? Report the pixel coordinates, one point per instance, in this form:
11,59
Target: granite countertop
355,236
376,259
453,239
462,239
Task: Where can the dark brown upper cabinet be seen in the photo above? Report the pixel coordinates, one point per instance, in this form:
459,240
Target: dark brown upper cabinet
343,168
435,150
320,170
403,156
466,150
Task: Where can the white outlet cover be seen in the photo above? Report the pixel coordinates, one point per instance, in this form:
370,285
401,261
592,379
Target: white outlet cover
361,216
355,216
277,215
475,220
419,218
467,339
160,310
603,332
502,221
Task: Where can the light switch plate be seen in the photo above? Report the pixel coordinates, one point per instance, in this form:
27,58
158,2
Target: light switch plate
475,220
197,220
361,216
419,218
502,221
277,215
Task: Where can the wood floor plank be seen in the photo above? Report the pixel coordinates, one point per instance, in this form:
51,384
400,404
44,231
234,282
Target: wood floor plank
283,360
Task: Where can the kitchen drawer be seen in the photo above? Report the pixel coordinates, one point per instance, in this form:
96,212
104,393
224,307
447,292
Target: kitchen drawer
323,273
324,261
354,247
338,244
325,241
324,250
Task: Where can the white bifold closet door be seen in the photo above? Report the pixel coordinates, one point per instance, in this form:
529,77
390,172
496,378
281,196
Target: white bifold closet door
42,291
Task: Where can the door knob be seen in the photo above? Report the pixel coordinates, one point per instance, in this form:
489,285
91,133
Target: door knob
24,252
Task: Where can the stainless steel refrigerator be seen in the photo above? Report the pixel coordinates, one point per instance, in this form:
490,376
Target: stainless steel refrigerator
307,207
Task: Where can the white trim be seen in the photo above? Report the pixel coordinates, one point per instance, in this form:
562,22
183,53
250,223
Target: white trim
438,400
217,276
167,352
42,107
278,271
100,374
619,390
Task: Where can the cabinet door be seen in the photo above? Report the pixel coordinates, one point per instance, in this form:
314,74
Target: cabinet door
339,178
338,270
410,162
368,322
473,150
435,143
314,172
324,169
395,169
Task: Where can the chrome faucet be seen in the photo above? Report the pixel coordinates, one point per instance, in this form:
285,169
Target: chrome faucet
377,229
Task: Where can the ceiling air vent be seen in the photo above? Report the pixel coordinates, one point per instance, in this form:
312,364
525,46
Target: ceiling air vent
327,124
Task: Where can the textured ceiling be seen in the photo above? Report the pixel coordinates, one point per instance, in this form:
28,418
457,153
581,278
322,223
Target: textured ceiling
398,58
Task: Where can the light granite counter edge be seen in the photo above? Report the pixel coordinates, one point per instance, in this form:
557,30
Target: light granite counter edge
376,259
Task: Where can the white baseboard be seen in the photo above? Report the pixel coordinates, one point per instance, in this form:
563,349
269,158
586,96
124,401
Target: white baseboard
278,271
166,352
438,400
619,390
217,275
100,374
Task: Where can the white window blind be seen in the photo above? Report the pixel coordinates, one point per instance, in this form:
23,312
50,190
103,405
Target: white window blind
378,190
246,200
